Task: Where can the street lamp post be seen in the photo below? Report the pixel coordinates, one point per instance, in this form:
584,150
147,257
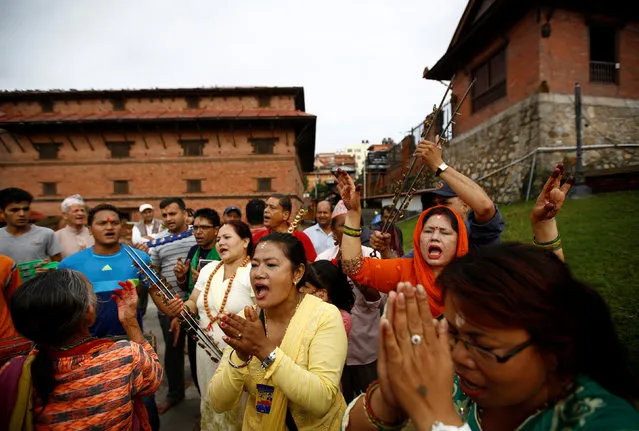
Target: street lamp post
580,189
365,141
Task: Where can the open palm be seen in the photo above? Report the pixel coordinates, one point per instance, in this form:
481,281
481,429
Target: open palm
127,301
349,192
552,196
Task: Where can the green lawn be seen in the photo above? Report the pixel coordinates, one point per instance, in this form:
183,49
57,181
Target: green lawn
601,242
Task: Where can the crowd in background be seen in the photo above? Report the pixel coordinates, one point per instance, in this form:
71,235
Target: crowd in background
333,326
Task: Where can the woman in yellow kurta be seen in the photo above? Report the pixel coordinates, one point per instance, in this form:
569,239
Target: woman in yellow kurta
288,355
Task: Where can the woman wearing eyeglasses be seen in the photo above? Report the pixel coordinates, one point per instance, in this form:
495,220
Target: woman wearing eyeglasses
222,286
523,344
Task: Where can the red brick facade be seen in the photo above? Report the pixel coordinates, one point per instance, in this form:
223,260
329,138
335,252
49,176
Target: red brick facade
535,63
229,122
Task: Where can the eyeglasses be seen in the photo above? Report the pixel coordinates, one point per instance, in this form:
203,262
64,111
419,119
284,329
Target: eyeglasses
481,353
204,228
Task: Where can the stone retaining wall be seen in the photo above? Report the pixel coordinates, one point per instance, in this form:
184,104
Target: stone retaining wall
545,120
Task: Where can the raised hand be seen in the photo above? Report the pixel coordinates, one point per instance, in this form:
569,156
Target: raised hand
416,348
143,247
181,268
381,242
174,307
174,328
552,196
349,192
246,335
383,362
126,299
195,274
430,152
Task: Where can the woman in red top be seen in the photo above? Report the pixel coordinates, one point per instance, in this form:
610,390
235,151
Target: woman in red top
439,237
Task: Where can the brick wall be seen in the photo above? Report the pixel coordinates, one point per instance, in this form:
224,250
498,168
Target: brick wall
549,65
173,104
156,168
565,58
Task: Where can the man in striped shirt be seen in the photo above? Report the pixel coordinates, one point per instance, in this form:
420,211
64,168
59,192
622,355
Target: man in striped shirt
165,250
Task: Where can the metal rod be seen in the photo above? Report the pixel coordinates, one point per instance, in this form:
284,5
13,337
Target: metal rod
579,172
452,117
532,174
214,352
580,188
411,189
386,226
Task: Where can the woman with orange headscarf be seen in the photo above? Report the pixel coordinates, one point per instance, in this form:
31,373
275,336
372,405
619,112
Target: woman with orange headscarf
439,237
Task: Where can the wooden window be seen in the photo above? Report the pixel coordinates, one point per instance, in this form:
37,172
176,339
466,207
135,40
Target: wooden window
121,187
264,185
48,151
264,101
193,102
263,145
604,62
119,150
194,186
490,81
119,104
46,105
192,147
49,189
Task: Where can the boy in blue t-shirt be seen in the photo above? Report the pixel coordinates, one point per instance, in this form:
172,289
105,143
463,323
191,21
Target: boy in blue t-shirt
104,265
104,272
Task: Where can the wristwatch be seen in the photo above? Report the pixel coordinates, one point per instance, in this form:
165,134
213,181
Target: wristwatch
441,168
268,361
438,426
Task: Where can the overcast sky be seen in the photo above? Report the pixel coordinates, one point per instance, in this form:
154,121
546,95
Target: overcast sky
360,62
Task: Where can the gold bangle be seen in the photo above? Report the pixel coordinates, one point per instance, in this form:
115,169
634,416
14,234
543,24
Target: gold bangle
248,361
550,245
352,234
351,267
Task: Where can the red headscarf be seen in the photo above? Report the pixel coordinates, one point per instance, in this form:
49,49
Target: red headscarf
423,272
384,275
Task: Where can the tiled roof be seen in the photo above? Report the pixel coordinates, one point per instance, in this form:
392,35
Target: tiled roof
123,116
380,147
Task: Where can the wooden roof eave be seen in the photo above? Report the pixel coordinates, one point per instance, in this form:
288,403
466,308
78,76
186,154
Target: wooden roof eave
490,25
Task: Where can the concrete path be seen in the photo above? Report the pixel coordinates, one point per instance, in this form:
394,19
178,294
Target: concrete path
185,415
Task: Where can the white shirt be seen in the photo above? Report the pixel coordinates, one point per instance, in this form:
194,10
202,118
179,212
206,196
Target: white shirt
365,316
321,240
136,235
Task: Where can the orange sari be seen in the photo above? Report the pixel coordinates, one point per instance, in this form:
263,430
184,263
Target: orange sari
384,275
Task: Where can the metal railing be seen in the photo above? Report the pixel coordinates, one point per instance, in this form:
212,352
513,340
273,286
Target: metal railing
604,72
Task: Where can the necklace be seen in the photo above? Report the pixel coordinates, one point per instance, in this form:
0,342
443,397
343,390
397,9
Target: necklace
212,318
76,344
299,301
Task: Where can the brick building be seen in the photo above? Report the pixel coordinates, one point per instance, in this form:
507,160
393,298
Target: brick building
526,57
213,147
324,167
